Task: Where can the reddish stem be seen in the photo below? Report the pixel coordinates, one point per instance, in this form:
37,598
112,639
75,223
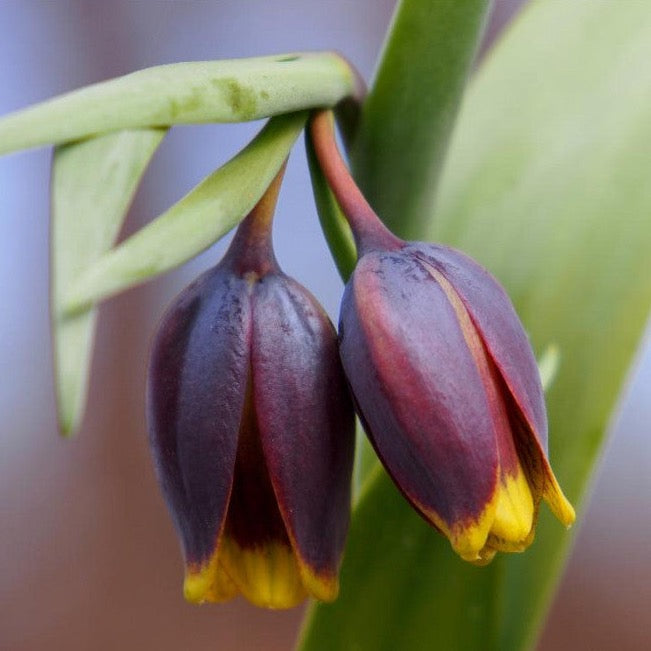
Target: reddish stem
369,231
252,249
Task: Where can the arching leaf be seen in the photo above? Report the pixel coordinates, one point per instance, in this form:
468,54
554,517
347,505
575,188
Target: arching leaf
233,90
195,222
93,183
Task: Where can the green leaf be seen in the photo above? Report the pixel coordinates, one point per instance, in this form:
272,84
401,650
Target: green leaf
547,185
411,108
93,183
182,93
195,222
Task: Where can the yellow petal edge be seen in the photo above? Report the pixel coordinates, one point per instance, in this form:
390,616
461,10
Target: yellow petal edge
269,576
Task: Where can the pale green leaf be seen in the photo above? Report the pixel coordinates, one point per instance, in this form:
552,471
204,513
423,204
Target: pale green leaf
233,90
198,220
547,185
93,183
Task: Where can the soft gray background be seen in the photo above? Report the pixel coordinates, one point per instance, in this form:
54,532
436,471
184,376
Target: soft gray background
88,558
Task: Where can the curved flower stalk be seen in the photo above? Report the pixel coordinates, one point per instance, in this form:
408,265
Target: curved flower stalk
444,380
252,429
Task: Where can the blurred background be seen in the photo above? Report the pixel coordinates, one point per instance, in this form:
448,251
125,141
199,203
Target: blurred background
88,556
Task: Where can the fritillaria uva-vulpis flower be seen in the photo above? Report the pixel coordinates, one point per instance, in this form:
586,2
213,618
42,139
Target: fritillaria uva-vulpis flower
444,380
252,429
252,426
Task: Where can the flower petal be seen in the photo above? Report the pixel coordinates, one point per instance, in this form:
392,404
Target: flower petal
514,512
507,343
510,350
539,471
196,386
254,549
209,582
424,400
308,448
514,515
267,575
499,327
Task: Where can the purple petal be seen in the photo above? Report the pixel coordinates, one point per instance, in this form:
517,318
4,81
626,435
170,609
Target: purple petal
196,390
500,328
306,422
418,387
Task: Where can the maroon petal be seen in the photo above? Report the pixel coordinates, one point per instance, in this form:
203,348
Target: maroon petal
255,551
306,423
196,389
509,347
419,390
500,328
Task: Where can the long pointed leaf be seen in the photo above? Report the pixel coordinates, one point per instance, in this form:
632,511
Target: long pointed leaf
198,220
93,183
555,151
233,90
411,108
546,184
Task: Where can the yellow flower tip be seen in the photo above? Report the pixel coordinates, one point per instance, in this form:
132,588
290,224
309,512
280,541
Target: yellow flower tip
267,576
486,555
208,583
514,512
324,586
506,524
196,587
469,539
558,503
270,577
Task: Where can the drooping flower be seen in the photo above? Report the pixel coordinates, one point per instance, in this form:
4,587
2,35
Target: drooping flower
444,380
252,429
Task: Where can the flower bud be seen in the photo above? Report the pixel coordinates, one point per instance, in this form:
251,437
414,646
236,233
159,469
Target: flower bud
444,380
447,385
252,429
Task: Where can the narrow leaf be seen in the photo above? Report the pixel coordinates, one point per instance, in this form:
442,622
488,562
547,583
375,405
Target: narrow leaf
547,185
411,108
198,220
93,183
552,160
233,90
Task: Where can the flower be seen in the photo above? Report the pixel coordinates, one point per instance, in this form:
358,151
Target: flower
252,429
444,380
447,386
